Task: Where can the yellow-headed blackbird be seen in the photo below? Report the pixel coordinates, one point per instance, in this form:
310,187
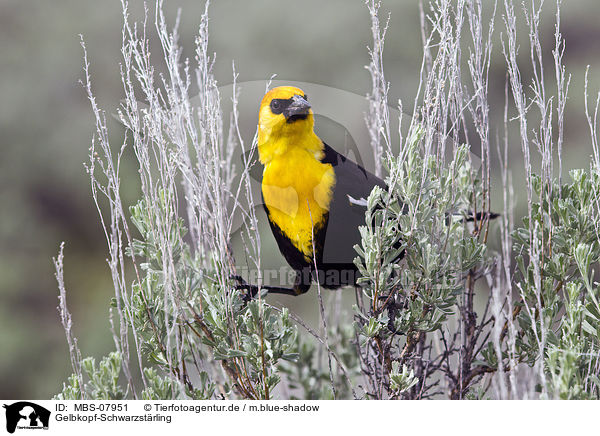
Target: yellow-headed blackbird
308,190
314,197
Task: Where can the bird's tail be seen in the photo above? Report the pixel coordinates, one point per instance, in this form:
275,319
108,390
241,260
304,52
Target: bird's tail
472,217
480,216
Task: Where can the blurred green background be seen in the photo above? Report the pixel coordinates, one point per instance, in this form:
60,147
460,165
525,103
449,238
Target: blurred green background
46,127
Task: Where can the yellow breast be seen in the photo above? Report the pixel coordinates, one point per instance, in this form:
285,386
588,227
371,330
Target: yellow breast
297,189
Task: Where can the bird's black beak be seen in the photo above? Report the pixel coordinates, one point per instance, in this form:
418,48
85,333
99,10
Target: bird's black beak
298,109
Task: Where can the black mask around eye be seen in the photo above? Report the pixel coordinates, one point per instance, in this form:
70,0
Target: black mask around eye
294,108
278,105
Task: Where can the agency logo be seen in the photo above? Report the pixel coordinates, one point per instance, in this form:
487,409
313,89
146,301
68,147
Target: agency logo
26,415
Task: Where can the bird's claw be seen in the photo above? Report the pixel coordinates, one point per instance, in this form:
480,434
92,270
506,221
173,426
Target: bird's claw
242,284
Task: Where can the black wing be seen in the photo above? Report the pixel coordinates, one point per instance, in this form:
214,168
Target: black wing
347,209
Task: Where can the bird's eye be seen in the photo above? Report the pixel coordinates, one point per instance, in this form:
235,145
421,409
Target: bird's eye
277,106
305,97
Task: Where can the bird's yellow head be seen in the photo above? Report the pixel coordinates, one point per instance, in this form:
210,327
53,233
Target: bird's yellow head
285,120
